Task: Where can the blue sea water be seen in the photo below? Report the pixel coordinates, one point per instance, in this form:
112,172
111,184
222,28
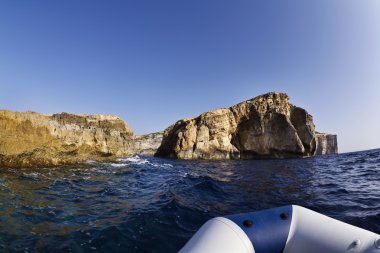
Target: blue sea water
146,204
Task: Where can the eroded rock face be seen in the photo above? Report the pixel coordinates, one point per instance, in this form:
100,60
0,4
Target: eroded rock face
303,123
267,126
326,144
29,139
148,144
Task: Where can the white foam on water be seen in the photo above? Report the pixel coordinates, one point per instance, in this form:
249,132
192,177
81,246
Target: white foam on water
133,160
32,174
137,160
118,165
165,165
90,162
99,170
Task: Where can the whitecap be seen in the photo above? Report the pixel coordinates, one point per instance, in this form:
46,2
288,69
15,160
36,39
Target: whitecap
129,159
99,170
90,162
134,160
32,174
117,165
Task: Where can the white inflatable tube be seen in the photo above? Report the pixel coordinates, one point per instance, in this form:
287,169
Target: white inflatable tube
288,229
219,235
315,233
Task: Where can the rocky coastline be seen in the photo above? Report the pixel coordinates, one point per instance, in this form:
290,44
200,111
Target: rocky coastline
29,139
268,126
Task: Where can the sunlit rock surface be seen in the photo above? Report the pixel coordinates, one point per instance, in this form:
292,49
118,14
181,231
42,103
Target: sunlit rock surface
326,144
29,139
268,126
148,144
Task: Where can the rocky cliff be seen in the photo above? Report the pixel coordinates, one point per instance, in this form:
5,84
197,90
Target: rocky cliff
29,139
267,126
326,144
148,144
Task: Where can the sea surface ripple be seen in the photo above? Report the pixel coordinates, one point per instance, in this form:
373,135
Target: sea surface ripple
146,204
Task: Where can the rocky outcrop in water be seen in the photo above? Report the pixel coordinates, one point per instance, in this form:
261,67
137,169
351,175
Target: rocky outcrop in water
326,144
29,139
148,144
267,126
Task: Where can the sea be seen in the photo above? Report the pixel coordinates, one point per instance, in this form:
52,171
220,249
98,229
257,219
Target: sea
148,204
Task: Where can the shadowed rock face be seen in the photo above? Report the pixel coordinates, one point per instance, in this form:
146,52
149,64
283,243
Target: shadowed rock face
267,126
303,123
30,139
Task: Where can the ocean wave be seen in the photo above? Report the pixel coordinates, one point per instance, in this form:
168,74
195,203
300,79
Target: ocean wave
118,165
137,160
134,160
135,203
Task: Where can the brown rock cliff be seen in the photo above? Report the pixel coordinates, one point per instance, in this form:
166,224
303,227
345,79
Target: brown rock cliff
148,144
267,126
29,139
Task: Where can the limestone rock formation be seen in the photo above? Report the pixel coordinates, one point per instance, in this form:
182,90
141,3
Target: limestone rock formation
267,126
326,144
148,144
29,139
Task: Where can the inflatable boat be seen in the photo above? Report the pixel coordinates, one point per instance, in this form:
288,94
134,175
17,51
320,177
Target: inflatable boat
287,229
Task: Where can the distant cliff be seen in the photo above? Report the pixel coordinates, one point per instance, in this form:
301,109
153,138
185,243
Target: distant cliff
148,144
267,126
29,139
326,144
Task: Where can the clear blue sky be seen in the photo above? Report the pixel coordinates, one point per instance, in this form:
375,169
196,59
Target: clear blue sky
154,62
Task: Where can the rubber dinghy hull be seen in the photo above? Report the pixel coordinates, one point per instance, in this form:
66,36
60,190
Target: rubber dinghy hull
287,229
